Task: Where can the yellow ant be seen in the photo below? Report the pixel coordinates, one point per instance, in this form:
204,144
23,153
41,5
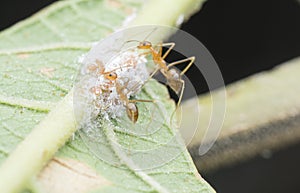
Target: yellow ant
130,105
173,76
111,76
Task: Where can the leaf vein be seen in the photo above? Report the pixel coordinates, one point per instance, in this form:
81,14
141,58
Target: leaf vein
29,104
86,16
51,27
5,127
130,164
48,47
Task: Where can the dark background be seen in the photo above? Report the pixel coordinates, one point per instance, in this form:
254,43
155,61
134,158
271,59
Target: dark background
244,37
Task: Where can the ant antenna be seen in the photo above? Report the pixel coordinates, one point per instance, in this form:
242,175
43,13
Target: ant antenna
148,35
128,41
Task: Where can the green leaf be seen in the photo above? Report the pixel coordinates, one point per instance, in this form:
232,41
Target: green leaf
38,66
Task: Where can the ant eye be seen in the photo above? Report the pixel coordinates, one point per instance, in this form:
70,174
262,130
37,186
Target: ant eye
111,76
145,44
148,44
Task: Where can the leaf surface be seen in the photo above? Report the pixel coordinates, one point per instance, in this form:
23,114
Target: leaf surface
39,64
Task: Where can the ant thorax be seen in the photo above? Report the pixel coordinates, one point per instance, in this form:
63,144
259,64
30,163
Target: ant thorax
113,83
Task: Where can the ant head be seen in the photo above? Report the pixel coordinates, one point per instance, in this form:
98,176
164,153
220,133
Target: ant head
111,76
145,45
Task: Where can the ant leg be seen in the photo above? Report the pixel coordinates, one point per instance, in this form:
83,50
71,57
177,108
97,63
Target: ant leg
152,74
191,59
171,44
161,45
181,93
179,101
141,100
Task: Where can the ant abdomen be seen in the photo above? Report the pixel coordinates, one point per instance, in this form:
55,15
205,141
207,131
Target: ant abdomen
174,80
132,112
175,85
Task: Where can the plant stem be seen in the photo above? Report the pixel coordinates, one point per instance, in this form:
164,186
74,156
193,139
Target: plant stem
262,115
38,147
167,12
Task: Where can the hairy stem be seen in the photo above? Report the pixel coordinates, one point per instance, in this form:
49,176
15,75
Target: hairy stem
263,114
167,12
39,146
